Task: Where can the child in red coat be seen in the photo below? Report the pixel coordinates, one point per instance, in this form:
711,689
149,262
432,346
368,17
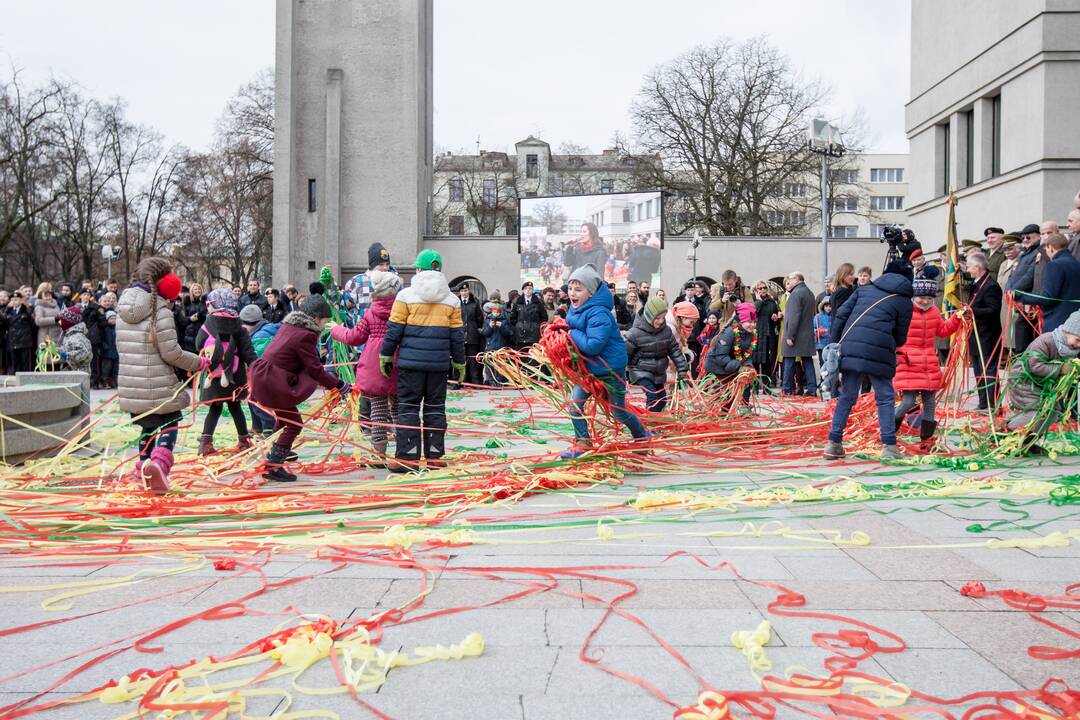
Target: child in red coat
918,374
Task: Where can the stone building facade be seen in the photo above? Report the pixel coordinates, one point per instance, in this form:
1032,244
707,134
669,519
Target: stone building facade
995,93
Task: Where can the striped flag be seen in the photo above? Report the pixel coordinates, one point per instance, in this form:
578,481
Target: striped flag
953,277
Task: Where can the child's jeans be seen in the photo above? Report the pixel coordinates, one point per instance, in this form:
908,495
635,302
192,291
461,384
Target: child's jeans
616,397
655,396
907,402
158,430
262,422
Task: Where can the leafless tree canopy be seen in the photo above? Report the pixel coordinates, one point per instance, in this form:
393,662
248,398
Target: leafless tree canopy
728,122
77,174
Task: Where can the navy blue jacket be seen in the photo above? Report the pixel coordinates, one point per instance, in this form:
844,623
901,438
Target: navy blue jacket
1060,292
496,338
1023,275
876,330
596,334
721,358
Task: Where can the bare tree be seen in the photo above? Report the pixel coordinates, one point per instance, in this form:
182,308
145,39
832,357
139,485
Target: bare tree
28,182
549,214
728,124
487,186
85,163
131,148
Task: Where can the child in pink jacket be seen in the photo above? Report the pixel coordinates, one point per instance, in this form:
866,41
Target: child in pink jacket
380,390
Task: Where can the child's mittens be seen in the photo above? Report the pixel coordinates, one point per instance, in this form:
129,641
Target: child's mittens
337,332
386,365
345,388
459,371
204,363
63,356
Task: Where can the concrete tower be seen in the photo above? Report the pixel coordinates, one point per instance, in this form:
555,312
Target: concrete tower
352,133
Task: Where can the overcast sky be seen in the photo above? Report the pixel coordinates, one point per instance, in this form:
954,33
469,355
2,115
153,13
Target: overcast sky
566,70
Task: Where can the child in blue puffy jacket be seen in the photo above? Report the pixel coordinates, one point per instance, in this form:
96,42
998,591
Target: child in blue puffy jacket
596,336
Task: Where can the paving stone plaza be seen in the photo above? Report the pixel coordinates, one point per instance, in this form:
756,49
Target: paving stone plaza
607,595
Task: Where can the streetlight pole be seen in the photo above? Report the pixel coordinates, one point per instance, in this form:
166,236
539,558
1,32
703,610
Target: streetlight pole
824,139
691,254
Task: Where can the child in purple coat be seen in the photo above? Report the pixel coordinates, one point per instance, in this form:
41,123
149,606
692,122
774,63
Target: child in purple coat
369,332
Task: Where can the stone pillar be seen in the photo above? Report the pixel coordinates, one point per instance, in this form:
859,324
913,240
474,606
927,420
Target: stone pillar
984,139
331,193
957,152
284,190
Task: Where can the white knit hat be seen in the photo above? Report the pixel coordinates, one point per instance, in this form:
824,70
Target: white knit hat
384,283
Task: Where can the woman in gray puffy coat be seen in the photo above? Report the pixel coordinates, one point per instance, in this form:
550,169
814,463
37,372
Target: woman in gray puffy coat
45,311
149,351
650,345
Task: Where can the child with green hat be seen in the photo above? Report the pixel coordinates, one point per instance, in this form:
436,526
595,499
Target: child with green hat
426,332
650,345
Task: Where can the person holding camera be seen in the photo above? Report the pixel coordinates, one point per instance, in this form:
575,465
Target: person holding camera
730,294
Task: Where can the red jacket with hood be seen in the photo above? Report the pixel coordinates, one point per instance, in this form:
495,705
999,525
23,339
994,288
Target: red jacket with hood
917,365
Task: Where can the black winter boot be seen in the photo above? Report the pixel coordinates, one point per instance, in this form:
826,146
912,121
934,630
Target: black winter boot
275,465
926,435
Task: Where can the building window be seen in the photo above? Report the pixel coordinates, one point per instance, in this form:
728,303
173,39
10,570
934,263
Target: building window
843,231
648,209
457,190
969,147
995,154
530,193
890,175
795,190
457,225
887,202
845,204
607,185
311,195
785,218
555,186
627,215
877,229
489,193
532,168
946,140
511,225
843,177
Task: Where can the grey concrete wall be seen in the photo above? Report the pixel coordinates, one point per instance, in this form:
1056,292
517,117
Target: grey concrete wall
383,51
494,260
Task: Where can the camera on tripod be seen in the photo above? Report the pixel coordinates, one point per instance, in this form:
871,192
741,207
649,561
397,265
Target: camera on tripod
892,234
902,243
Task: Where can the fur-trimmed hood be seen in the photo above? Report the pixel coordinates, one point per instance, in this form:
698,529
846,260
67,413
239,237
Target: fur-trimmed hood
302,320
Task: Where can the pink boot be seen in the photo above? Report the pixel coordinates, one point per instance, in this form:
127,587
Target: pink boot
155,471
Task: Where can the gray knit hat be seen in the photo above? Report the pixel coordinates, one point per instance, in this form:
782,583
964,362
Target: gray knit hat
384,283
251,314
1072,324
316,307
588,276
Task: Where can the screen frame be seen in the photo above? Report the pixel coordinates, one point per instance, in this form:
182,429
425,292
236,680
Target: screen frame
663,206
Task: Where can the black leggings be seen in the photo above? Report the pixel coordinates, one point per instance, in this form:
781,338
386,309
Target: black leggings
213,414
157,430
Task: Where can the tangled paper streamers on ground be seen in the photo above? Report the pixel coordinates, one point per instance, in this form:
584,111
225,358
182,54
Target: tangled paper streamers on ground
224,529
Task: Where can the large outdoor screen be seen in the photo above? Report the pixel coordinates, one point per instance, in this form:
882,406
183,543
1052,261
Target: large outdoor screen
619,233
